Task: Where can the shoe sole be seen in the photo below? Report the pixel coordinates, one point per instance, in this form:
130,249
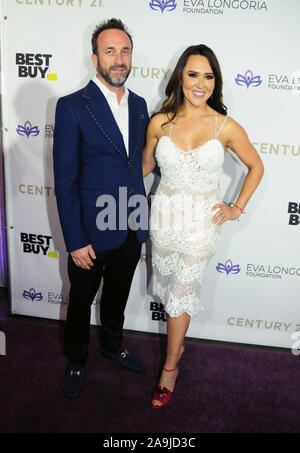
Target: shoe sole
72,397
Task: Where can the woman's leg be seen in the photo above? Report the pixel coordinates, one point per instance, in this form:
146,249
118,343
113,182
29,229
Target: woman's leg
177,328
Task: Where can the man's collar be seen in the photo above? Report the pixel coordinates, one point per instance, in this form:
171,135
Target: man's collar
108,93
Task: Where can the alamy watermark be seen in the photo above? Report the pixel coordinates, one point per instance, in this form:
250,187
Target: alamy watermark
170,211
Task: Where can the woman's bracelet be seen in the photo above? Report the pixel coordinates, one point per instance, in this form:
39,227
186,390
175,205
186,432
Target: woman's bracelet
236,206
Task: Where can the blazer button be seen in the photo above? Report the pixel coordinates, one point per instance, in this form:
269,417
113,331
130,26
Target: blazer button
130,191
130,166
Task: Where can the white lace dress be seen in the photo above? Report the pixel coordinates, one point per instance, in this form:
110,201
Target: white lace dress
183,236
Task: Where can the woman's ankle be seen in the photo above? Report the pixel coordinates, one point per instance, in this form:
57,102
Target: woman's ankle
173,359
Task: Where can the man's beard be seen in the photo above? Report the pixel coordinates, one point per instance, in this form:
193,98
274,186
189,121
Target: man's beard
113,81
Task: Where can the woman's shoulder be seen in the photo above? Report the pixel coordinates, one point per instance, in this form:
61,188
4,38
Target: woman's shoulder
224,120
158,123
229,123
159,118
229,127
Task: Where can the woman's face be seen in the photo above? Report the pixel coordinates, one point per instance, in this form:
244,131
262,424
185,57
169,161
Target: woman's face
198,81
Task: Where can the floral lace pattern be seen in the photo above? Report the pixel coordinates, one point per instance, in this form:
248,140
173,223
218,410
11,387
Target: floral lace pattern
183,237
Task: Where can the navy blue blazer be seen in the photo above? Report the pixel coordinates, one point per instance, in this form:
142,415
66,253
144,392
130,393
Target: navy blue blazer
90,159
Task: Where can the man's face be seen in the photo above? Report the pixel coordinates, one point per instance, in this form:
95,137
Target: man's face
113,62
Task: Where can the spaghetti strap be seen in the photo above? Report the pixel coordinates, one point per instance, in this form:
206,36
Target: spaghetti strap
221,126
216,123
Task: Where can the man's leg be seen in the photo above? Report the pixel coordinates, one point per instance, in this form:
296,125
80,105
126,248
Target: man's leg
118,274
84,287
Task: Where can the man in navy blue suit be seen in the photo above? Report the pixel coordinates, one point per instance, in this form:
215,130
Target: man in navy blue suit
98,141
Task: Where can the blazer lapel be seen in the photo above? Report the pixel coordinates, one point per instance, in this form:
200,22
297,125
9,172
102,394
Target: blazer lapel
101,115
135,122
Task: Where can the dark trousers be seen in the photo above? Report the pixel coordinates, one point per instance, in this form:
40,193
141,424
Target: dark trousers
117,268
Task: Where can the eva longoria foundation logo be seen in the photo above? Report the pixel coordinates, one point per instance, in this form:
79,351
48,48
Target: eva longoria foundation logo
271,271
163,5
28,130
228,268
32,295
218,7
248,79
49,129
285,83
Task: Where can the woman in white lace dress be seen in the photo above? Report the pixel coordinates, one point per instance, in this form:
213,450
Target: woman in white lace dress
187,139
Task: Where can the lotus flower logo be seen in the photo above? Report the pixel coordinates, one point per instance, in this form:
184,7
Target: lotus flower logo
228,268
168,5
248,79
32,294
28,130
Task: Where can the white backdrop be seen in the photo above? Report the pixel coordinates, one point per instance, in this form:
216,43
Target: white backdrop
251,293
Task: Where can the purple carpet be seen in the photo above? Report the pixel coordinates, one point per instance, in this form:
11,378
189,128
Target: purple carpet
220,389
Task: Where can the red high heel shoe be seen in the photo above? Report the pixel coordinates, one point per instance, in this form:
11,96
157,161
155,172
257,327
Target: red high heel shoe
161,394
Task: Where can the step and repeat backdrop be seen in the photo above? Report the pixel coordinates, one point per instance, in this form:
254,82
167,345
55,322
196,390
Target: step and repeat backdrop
251,291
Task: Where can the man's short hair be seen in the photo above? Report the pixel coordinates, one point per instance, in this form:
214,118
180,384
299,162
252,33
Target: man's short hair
107,25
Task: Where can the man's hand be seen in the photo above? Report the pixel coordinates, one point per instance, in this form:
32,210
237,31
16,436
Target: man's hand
82,257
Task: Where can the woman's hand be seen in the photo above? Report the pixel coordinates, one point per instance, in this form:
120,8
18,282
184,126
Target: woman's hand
225,213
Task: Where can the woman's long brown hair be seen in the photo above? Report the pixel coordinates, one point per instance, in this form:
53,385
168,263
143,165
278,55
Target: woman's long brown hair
174,92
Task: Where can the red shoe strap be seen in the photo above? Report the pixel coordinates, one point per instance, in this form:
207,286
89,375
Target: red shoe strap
170,370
